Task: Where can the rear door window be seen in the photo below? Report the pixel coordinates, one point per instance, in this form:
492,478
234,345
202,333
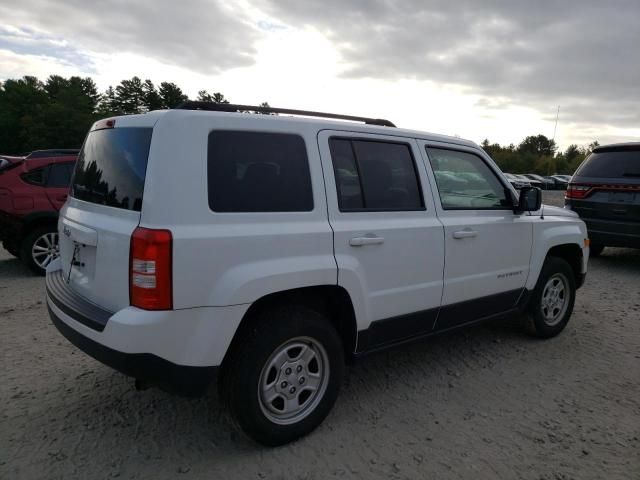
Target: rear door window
375,175
612,164
258,172
111,167
35,176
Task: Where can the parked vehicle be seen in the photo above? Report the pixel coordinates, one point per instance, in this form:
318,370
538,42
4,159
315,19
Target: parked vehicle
562,181
516,182
566,178
531,181
605,192
32,190
293,245
557,182
544,183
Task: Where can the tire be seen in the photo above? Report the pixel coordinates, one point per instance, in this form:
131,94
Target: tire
551,304
595,249
35,239
268,359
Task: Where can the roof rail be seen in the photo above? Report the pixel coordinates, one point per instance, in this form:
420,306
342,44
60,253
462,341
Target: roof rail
230,107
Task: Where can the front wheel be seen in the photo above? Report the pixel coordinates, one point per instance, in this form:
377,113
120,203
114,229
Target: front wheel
552,302
283,374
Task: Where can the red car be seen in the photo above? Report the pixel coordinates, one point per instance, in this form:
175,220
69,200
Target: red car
32,190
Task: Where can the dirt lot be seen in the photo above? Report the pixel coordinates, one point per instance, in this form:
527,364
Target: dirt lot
486,402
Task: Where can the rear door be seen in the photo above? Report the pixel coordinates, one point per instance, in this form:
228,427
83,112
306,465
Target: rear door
58,180
96,223
388,242
488,247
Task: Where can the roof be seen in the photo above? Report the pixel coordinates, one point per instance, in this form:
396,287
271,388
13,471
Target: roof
618,147
320,123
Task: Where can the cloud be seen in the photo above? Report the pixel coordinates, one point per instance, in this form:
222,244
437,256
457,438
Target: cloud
582,54
203,36
28,42
498,56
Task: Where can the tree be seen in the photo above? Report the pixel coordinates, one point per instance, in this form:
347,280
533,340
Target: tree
70,110
171,95
537,145
58,112
204,96
152,99
130,96
108,105
23,104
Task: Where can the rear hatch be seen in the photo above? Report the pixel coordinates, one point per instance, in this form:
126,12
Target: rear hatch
607,185
103,210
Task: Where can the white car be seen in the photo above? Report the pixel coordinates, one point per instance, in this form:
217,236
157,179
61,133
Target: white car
266,250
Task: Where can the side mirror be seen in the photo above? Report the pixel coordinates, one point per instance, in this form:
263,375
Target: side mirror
530,200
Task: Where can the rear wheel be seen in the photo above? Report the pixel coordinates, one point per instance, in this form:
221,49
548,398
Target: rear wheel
595,249
39,248
283,374
552,302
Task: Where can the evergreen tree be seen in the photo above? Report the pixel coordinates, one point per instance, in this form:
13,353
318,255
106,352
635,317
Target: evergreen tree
130,96
171,95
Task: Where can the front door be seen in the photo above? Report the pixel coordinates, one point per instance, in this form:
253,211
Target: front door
388,241
488,247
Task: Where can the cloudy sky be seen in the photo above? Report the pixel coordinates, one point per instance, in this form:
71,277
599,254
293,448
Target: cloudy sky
494,69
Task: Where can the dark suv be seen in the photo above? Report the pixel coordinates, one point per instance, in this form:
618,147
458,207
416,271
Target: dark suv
32,190
605,192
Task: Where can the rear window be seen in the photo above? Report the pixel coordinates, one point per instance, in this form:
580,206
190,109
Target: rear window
111,167
620,164
258,172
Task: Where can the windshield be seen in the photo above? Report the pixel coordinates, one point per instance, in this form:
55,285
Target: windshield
111,167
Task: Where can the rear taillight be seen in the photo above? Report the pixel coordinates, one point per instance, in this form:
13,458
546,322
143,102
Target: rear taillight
150,269
578,191
584,190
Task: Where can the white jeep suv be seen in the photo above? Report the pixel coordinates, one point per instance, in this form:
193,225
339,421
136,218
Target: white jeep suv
266,250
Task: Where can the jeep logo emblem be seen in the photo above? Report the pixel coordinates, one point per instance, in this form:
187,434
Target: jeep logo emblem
66,231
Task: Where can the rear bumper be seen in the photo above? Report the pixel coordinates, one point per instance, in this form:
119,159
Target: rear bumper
178,350
613,233
183,380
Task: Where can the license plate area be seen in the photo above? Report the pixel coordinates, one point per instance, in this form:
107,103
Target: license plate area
622,197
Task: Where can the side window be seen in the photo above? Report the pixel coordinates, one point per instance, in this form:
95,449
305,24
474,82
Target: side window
465,181
34,177
375,175
59,175
258,172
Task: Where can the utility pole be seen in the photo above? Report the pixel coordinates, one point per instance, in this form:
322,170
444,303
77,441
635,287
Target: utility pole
556,125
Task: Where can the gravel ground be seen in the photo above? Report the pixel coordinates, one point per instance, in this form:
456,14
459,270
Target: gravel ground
485,402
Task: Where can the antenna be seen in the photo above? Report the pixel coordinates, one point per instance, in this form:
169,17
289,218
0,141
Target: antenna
556,125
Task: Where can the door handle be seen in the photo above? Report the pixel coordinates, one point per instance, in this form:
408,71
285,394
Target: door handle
366,240
466,233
